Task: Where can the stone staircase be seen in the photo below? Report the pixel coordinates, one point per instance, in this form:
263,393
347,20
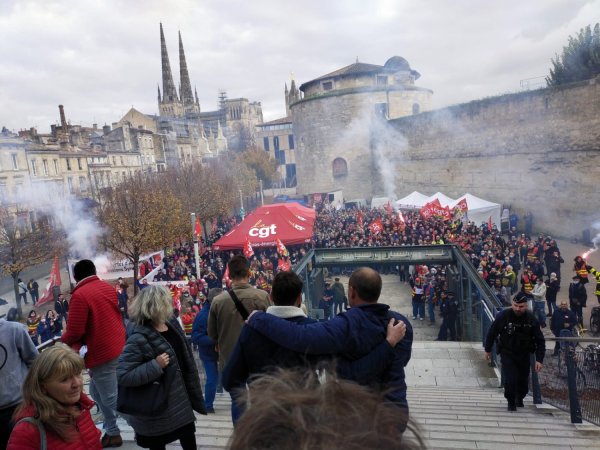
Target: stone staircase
455,401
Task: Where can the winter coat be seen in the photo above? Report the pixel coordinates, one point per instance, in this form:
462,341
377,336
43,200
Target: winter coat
26,436
138,366
350,335
95,320
200,337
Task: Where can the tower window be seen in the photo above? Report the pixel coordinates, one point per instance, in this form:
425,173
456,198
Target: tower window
266,143
416,108
291,141
327,85
339,167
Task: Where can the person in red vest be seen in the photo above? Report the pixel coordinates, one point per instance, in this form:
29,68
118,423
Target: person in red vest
95,322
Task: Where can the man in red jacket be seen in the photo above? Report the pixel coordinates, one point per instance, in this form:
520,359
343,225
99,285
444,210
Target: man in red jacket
95,321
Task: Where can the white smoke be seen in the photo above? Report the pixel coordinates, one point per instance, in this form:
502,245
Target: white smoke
80,227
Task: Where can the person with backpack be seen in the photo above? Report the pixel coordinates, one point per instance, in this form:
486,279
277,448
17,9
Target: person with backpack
517,334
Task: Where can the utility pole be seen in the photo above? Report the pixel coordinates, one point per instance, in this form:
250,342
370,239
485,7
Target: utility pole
196,251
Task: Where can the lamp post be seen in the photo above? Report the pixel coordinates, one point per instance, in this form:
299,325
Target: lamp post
196,251
262,200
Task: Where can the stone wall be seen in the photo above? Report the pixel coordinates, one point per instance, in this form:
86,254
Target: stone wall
535,151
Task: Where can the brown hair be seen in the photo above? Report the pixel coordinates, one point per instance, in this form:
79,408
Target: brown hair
238,267
300,410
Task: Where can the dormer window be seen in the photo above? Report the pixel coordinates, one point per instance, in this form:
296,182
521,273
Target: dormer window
327,85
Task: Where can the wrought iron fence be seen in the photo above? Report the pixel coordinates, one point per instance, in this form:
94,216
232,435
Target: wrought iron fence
571,379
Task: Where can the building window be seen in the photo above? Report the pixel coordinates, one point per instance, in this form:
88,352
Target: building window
339,167
290,175
416,108
79,164
381,109
68,164
280,155
276,143
382,80
45,166
291,141
55,161
70,184
33,168
266,143
121,159
327,85
114,160
15,162
82,184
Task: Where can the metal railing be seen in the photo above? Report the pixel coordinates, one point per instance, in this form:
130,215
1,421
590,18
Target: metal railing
571,380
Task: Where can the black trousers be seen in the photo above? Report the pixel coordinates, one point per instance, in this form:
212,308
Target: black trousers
515,373
6,424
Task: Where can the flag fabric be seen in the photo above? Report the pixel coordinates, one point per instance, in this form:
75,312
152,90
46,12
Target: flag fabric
490,224
376,226
53,280
462,206
248,251
359,218
197,229
281,250
226,278
283,265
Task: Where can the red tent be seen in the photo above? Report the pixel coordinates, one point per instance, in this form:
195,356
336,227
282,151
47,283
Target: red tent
302,213
264,226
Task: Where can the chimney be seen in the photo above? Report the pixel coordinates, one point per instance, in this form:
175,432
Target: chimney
106,129
63,120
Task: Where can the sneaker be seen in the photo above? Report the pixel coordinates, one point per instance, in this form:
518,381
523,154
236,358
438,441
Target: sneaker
414,318
111,441
420,318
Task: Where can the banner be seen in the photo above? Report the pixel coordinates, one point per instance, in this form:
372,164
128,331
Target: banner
198,229
111,269
376,227
281,250
248,251
435,209
54,280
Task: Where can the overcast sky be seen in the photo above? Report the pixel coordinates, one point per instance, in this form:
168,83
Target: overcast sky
99,58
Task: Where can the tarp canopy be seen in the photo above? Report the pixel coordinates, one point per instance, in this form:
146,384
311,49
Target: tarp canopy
414,200
264,226
303,213
444,199
481,210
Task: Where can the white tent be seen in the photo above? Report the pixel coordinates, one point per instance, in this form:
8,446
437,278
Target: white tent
414,200
378,202
444,199
481,210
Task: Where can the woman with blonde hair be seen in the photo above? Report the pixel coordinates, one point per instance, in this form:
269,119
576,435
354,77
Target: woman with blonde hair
55,409
156,342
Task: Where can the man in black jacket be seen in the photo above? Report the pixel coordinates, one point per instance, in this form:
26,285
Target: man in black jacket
519,335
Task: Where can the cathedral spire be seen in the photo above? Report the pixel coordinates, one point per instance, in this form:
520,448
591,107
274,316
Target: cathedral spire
169,91
185,89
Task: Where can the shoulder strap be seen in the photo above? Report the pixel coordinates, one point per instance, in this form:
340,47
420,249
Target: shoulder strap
40,427
238,305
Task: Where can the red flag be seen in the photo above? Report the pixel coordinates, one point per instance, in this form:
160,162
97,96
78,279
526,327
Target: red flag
426,211
248,251
489,224
462,206
53,280
283,265
198,229
226,278
281,250
376,226
359,218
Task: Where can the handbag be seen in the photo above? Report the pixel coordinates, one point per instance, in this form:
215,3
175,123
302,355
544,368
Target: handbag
148,399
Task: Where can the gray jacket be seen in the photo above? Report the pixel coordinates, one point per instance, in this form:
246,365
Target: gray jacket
17,353
138,366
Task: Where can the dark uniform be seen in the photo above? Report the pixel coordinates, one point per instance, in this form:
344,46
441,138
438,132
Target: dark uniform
448,311
562,319
577,297
518,336
596,275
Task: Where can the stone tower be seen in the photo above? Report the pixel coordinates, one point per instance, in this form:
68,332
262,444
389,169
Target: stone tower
169,105
190,105
291,96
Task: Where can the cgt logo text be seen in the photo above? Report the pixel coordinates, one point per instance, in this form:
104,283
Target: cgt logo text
263,232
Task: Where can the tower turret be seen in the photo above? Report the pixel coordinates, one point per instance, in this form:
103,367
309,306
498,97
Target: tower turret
185,87
170,104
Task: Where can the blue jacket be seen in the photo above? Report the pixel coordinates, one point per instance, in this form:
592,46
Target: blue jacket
255,354
200,337
349,335
561,317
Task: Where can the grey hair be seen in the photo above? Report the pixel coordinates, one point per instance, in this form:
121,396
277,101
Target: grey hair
152,304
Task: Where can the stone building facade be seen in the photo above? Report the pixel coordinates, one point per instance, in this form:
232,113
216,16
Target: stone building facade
536,151
332,118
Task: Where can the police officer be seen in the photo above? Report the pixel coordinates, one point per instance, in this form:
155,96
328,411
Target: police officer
518,334
448,311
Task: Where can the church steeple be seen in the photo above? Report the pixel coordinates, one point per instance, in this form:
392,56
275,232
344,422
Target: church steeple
169,91
185,89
